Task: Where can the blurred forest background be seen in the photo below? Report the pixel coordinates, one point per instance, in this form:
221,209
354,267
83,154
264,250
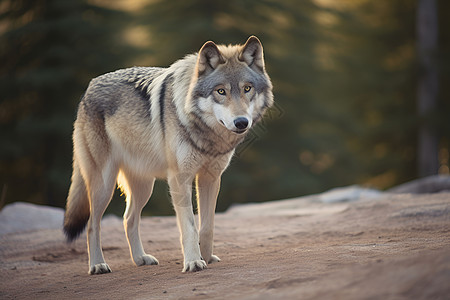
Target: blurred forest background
361,86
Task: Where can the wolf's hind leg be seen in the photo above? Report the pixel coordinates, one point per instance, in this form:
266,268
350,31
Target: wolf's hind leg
138,193
100,193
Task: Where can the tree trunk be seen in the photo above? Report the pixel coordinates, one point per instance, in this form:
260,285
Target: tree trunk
427,38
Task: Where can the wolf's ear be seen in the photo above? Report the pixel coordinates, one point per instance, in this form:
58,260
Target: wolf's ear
252,53
209,58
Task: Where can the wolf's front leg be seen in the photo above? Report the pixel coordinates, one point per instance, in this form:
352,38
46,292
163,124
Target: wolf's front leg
208,187
181,192
138,192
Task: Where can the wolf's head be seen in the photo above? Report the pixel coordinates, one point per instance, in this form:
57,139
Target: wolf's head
230,87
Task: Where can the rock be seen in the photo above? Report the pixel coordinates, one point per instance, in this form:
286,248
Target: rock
427,185
349,194
21,216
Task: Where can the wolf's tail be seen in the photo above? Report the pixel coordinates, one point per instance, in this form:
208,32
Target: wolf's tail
77,208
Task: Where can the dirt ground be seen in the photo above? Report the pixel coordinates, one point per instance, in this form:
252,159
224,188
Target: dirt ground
396,246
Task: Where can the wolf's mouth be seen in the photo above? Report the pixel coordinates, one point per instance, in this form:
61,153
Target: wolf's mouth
240,131
237,131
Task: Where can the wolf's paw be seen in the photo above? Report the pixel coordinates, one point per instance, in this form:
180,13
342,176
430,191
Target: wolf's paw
99,269
145,259
213,259
194,266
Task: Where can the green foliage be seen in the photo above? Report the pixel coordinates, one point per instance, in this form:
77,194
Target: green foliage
49,51
344,76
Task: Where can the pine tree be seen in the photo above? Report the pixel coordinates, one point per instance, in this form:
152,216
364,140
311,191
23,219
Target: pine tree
49,51
428,86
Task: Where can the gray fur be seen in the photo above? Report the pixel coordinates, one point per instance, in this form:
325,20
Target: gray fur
235,73
163,96
108,92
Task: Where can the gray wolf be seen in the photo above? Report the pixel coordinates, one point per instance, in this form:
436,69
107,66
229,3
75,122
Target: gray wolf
180,123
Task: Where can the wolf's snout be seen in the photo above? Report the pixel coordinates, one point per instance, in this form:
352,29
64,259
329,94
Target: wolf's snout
241,123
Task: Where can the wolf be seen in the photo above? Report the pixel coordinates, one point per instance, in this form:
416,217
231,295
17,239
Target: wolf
181,124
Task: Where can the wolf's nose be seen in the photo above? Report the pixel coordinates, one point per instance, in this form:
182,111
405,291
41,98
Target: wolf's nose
241,123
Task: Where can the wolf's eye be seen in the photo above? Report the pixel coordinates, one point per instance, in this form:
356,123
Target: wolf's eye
247,88
221,92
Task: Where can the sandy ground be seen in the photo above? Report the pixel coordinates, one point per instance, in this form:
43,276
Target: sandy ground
386,246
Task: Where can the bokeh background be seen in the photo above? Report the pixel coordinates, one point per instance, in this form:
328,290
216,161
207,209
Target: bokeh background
361,88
